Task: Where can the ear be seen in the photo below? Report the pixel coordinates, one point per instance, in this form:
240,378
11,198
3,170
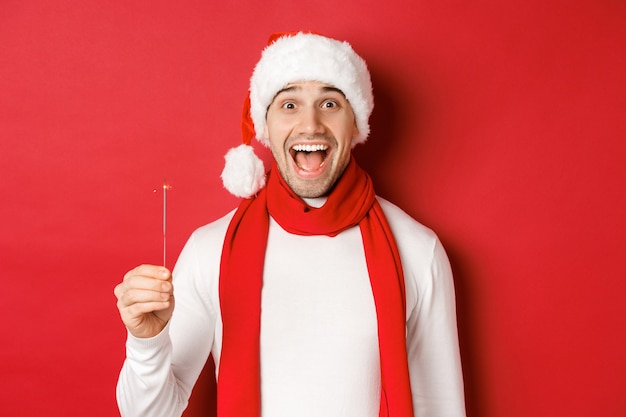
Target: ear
355,130
266,133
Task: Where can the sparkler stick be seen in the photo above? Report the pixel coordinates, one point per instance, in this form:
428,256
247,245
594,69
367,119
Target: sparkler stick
165,188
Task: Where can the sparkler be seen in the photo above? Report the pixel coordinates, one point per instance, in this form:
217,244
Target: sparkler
166,187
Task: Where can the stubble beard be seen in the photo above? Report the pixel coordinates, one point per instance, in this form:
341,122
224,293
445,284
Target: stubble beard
310,188
318,187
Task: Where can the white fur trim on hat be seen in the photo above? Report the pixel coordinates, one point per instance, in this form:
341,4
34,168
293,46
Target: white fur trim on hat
310,57
244,173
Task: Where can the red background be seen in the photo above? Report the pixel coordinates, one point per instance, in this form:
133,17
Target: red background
498,124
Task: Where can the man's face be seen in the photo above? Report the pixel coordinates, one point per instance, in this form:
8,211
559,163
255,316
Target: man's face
310,126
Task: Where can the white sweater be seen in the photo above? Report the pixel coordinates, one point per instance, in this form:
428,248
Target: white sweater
319,346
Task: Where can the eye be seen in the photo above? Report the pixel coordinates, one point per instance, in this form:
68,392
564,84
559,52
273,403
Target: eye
288,105
329,104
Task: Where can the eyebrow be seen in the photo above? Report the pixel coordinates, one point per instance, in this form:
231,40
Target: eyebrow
325,89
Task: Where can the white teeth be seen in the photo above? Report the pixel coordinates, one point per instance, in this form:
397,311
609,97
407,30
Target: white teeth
309,148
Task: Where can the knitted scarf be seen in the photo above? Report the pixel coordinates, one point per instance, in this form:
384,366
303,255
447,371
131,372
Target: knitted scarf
352,202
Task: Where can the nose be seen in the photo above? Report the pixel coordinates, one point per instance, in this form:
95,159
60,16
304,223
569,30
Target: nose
310,121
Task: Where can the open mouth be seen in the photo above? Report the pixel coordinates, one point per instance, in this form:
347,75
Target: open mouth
309,157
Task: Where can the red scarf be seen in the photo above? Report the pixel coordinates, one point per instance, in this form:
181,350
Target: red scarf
352,202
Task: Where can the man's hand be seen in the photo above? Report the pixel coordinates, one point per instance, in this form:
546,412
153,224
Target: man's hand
145,300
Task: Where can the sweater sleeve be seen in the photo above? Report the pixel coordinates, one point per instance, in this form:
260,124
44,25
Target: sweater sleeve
159,372
432,341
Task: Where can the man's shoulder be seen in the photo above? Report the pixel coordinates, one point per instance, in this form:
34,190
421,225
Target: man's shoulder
404,227
215,229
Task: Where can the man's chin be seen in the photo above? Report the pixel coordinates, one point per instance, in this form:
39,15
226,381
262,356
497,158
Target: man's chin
309,188
307,184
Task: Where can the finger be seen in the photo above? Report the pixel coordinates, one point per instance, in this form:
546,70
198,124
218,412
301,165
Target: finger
141,289
145,277
138,295
118,290
139,309
150,271
146,283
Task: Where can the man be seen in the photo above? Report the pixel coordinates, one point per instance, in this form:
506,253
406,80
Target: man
315,297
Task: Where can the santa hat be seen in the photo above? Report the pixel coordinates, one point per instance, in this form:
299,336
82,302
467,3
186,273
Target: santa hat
289,58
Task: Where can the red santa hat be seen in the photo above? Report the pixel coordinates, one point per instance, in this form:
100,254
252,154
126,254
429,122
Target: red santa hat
289,58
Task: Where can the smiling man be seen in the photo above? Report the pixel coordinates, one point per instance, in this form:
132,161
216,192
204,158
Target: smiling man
310,126
315,297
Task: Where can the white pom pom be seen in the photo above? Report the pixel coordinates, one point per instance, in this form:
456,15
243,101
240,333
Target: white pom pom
244,173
